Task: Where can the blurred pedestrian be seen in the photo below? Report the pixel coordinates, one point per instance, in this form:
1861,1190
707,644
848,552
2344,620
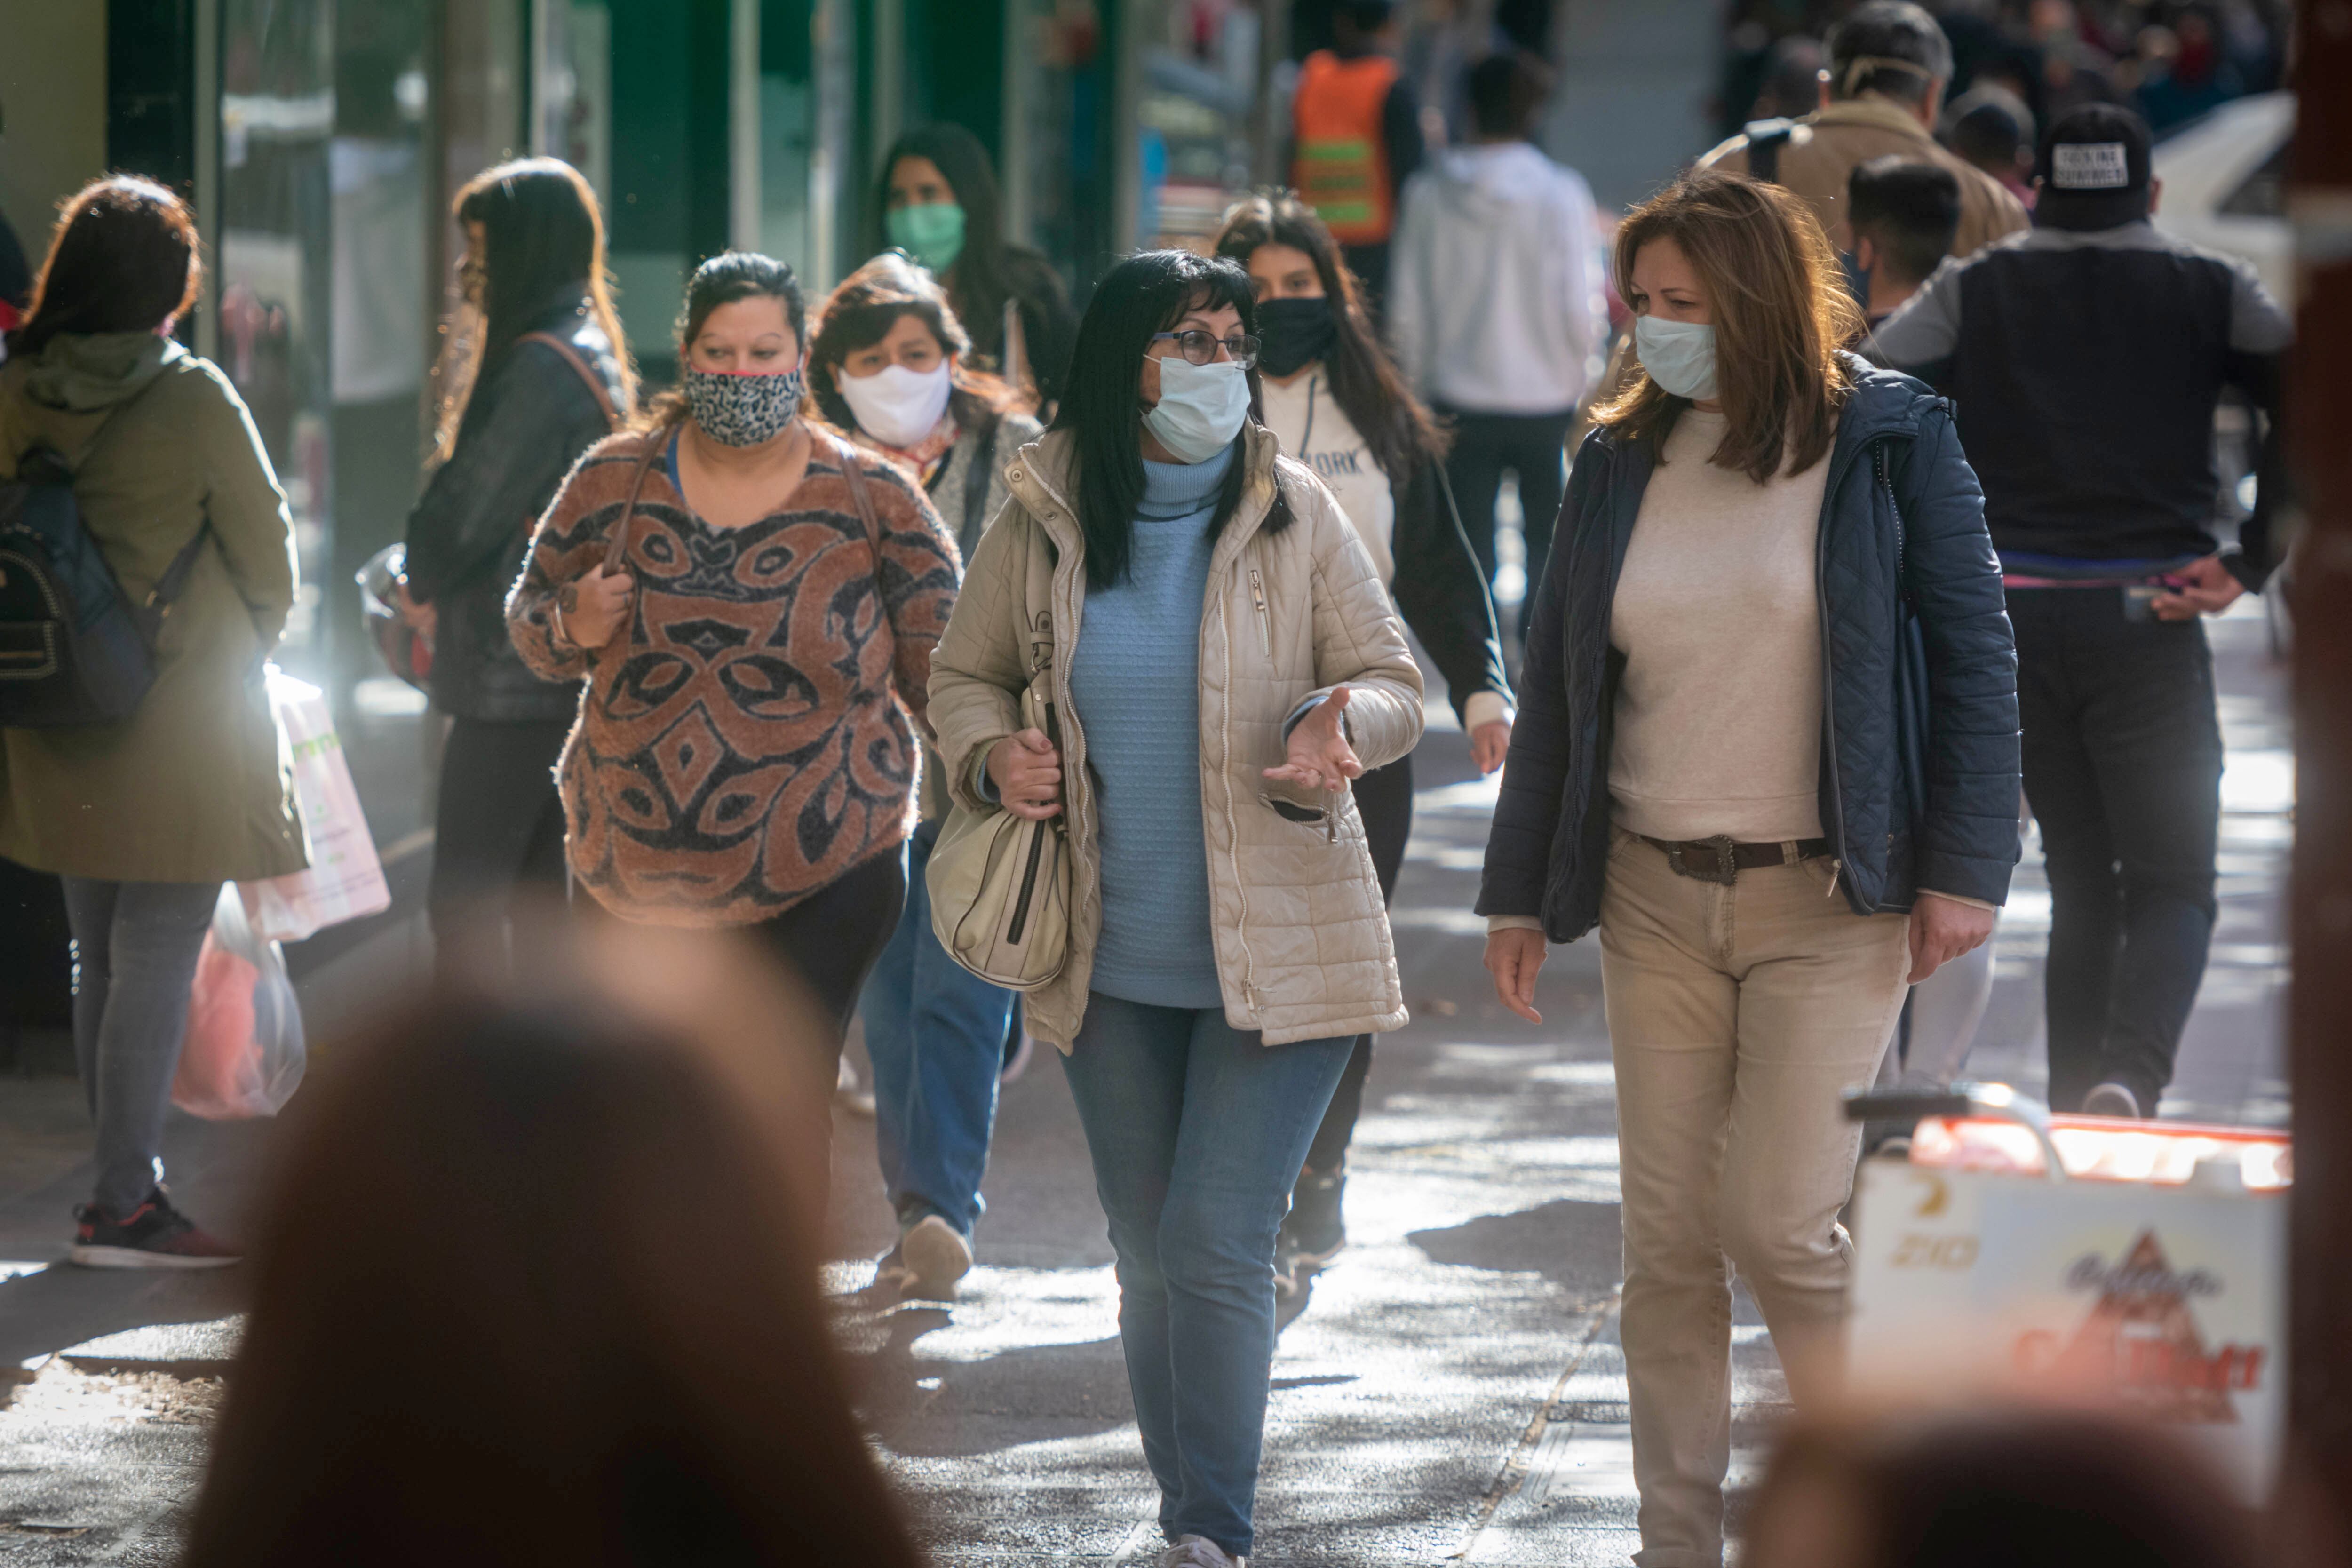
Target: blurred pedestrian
1903,214
1356,136
536,372
1791,87
888,366
144,819
752,602
2093,428
1888,66
939,204
1237,663
1992,128
1497,316
602,1344
1338,404
2025,1488
1737,706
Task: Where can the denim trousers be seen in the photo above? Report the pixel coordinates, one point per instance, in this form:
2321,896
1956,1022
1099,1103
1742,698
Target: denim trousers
1735,1014
935,1033
1197,1130
2123,767
135,949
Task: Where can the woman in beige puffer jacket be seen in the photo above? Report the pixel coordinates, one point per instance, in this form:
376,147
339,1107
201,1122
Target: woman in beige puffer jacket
1225,659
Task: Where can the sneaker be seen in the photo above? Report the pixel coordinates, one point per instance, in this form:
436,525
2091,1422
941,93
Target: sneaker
1288,1276
1317,1228
933,1256
1199,1552
152,1235
848,1095
2112,1100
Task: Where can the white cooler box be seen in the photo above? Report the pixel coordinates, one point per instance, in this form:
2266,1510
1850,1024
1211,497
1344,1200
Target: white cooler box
2146,1279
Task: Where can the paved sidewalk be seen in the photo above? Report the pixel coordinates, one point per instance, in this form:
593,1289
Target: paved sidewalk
1453,1389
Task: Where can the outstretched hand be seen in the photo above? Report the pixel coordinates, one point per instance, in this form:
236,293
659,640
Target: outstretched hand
1320,757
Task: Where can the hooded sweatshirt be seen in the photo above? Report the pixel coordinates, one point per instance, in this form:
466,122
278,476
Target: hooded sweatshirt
1495,282
194,786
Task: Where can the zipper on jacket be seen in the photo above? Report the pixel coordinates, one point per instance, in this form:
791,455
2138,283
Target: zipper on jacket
1232,818
1265,618
1829,672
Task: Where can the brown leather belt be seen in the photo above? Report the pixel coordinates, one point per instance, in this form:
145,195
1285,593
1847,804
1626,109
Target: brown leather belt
1720,860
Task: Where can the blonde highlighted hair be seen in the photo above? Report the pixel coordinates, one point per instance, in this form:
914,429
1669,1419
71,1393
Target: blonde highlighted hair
1782,316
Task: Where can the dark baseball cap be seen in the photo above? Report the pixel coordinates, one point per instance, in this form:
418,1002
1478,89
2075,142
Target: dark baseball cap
2093,169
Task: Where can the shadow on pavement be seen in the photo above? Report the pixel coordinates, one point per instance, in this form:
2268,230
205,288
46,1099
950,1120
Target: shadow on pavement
1571,1243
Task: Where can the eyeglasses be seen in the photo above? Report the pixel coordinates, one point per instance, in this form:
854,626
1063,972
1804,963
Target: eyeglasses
1201,348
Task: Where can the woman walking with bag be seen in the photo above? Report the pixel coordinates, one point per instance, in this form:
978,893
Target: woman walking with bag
536,373
144,819
1338,404
888,366
1767,743
752,602
1220,660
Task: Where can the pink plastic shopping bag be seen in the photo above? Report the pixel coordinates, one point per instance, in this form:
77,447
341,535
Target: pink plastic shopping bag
245,1052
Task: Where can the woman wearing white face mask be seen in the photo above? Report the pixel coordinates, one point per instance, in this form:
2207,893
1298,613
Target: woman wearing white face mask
1223,661
887,367
1767,744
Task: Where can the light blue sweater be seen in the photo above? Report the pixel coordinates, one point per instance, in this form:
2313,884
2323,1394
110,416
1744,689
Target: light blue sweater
1135,675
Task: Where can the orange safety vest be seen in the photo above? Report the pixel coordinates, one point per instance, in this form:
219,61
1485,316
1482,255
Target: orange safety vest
1342,161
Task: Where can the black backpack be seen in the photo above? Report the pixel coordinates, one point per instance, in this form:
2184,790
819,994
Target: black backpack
74,649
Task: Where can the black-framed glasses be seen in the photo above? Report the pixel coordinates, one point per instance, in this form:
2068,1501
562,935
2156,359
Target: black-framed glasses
1201,348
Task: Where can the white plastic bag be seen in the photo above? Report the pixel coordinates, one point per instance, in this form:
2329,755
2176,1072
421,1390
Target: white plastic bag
245,1052
345,880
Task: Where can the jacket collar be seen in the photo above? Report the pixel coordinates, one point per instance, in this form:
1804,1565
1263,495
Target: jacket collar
1044,477
1878,113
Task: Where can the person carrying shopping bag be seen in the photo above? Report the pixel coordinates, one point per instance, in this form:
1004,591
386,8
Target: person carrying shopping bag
145,818
1767,744
887,367
1338,404
752,602
537,370
1223,660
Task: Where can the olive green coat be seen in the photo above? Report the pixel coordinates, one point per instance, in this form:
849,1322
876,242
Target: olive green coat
194,786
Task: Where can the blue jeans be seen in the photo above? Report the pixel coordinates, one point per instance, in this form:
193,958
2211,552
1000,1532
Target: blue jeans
1197,1131
936,1034
135,947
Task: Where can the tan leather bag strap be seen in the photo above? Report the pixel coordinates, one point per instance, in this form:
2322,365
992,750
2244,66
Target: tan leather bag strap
580,367
860,496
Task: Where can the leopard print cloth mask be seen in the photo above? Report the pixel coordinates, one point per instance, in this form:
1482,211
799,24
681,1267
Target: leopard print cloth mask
740,410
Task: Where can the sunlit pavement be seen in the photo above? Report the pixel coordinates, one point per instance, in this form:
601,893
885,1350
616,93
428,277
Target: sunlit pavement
1451,1390
1454,1389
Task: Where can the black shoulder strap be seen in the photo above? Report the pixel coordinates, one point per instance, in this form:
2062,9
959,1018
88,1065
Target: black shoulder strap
1765,140
978,481
169,586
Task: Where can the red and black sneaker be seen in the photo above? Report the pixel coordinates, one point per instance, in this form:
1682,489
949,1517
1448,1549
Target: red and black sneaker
152,1235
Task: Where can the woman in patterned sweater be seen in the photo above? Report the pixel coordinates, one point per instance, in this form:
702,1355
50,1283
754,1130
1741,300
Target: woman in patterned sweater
757,642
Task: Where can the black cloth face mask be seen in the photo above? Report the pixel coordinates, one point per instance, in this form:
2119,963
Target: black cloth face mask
1294,333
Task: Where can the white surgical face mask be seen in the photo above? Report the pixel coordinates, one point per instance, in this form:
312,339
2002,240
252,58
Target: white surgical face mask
1201,407
1679,355
898,406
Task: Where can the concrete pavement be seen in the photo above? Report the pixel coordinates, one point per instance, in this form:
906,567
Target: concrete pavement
1452,1389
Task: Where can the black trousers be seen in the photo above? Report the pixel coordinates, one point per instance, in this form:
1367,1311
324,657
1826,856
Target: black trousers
2122,770
1529,446
833,938
1384,800
498,843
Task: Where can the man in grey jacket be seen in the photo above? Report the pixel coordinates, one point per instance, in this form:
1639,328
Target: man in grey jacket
1495,307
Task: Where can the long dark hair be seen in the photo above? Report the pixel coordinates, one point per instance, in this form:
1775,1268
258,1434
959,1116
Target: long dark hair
860,313
1102,401
555,1311
980,281
122,259
729,276
542,236
1782,317
1365,382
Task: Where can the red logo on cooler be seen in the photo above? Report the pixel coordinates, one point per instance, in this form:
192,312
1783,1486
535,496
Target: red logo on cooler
2140,1343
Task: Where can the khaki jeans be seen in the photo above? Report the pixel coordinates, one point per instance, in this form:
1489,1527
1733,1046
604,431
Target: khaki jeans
1735,1014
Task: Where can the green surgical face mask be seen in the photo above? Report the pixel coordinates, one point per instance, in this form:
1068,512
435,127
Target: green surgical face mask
932,233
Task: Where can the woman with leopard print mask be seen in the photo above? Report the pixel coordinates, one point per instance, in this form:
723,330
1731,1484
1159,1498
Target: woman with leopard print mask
753,603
